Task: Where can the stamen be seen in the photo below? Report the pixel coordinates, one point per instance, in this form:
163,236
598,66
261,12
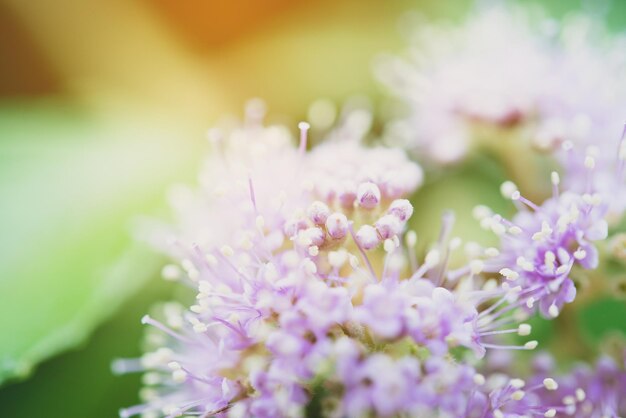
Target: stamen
525,264
411,241
549,260
227,251
580,395
530,345
550,384
492,252
304,128
251,189
517,196
171,272
431,260
524,330
146,319
544,233
447,222
479,379
553,311
590,164
507,189
123,366
362,251
518,395
517,383
556,180
500,332
480,212
509,274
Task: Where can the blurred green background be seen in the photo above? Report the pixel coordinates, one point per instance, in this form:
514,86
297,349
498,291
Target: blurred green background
105,103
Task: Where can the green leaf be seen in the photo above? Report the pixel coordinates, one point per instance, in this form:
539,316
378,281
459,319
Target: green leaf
71,185
601,318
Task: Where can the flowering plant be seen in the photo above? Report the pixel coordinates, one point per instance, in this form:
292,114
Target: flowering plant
310,296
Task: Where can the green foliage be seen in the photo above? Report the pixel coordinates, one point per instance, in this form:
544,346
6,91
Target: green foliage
600,318
71,186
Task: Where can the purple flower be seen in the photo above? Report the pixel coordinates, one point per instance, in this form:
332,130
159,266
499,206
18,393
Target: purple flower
324,306
311,284
508,71
541,244
382,385
267,243
586,391
383,311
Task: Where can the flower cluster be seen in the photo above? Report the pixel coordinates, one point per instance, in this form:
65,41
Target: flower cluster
587,391
315,293
507,72
543,243
311,294
489,70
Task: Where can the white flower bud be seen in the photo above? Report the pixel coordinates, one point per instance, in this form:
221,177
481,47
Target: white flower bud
367,237
337,225
368,195
401,208
318,212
